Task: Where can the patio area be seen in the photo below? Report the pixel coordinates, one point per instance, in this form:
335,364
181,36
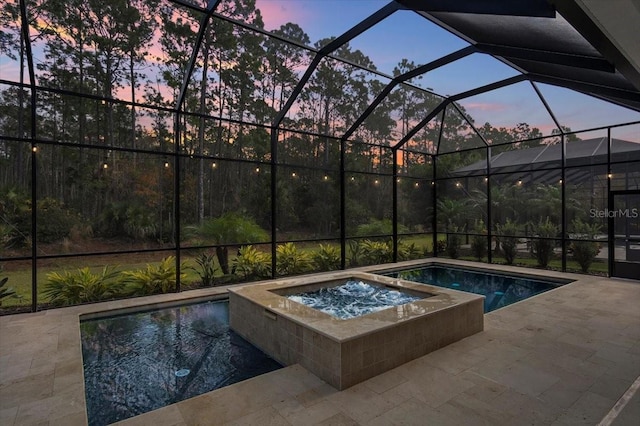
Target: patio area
568,356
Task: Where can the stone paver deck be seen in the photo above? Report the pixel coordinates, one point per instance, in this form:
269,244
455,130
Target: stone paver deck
561,358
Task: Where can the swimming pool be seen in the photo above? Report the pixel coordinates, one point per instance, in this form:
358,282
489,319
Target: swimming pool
499,290
139,362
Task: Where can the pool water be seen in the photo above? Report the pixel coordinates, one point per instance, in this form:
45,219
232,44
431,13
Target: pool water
499,290
140,362
352,299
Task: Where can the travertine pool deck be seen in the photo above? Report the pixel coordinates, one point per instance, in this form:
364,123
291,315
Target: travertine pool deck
564,357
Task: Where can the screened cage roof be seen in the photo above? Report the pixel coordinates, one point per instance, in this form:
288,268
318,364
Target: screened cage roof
557,43
554,42
410,67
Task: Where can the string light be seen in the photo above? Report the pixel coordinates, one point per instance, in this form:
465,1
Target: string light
34,149
166,164
214,165
105,166
257,169
519,181
609,175
375,182
326,177
560,181
416,184
352,178
458,185
293,174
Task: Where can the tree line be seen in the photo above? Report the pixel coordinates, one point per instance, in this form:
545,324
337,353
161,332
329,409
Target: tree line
114,166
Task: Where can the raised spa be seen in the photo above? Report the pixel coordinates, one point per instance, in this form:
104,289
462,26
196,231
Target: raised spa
344,352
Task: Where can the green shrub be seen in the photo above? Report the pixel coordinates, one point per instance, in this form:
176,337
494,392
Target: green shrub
15,228
376,252
206,269
290,261
584,252
408,251
355,252
252,264
327,258
479,241
141,223
383,228
5,291
54,220
152,280
231,230
542,247
508,240
454,241
130,220
82,286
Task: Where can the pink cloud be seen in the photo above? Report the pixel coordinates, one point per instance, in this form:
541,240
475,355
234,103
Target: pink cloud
278,12
483,106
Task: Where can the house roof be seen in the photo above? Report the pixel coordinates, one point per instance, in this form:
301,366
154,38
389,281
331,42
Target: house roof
578,153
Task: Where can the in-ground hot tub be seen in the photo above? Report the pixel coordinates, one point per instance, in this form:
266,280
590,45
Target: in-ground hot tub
344,352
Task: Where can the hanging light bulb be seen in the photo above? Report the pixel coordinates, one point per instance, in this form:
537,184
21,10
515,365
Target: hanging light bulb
105,166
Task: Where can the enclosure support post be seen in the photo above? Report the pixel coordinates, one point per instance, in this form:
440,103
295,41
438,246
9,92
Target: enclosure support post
176,197
343,210
489,223
274,201
24,22
434,199
395,205
610,223
563,213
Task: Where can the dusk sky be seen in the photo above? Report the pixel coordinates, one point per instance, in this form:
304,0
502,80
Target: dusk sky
405,34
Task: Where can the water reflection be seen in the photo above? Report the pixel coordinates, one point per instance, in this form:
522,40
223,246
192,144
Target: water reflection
499,290
139,362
